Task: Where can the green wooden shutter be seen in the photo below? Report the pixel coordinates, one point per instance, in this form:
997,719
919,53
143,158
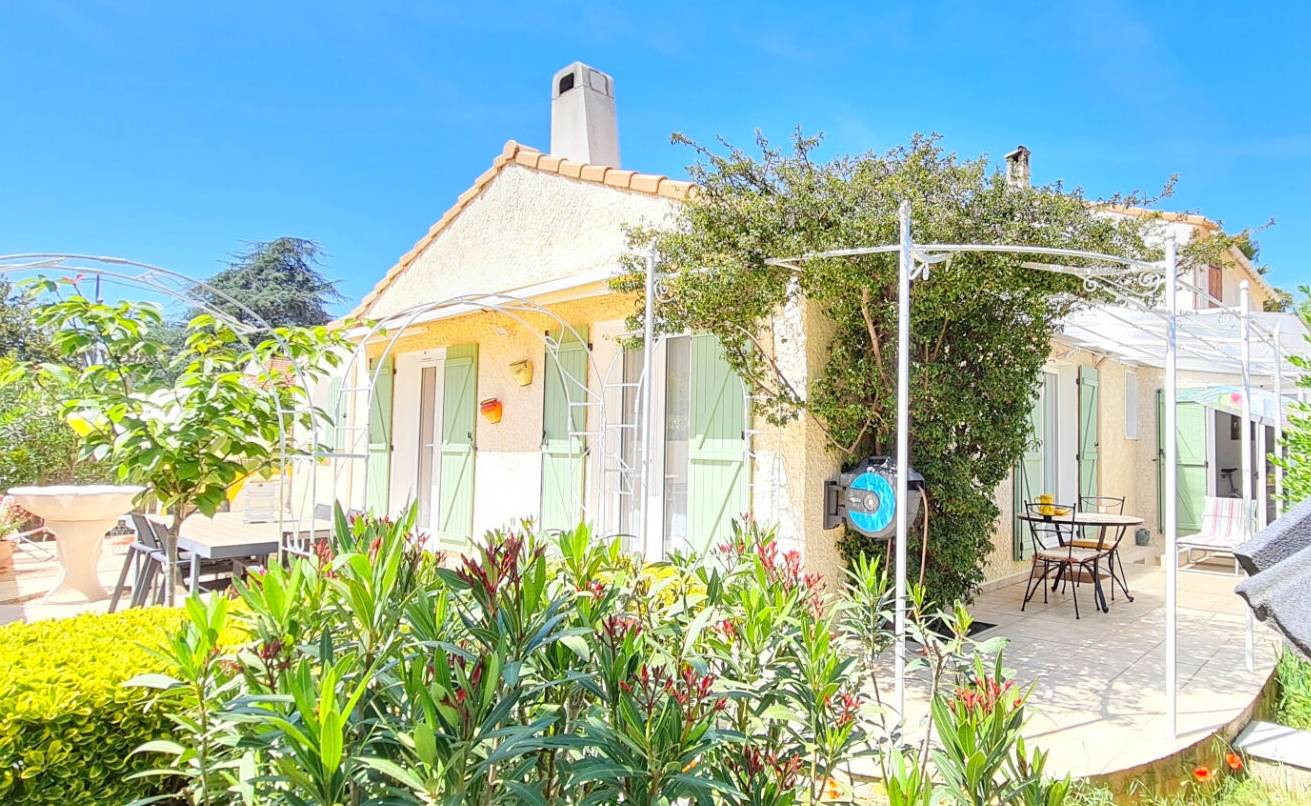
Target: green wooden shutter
1088,437
378,490
1028,477
1191,460
717,482
563,419
457,444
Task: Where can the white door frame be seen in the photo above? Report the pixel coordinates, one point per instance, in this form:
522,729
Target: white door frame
408,452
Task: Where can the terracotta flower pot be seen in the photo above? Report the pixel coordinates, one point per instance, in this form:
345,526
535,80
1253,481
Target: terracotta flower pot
6,557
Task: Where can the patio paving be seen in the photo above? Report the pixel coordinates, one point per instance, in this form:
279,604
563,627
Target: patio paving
1099,701
21,588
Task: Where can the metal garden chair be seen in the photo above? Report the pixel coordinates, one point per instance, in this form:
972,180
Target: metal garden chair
1112,505
1053,538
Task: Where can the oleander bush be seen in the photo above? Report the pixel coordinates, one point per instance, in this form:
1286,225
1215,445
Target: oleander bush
560,670
68,725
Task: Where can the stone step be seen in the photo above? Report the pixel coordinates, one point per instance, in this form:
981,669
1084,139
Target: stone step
1271,742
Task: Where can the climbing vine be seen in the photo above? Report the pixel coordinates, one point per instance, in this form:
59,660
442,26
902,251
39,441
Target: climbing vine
981,324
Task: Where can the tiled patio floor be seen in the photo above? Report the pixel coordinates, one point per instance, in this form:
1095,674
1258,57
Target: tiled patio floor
1098,705
1099,701
21,589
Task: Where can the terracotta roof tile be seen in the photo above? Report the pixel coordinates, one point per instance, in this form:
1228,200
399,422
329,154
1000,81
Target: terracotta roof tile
528,158
673,189
619,179
645,183
651,184
593,173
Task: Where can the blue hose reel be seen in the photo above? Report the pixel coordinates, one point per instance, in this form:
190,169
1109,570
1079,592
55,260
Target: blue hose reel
865,498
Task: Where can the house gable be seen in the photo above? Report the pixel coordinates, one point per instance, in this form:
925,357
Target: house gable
530,219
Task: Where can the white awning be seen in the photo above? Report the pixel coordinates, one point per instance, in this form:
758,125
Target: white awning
1209,340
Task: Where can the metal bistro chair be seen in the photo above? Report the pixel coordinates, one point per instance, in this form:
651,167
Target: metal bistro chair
1054,550
150,555
1111,505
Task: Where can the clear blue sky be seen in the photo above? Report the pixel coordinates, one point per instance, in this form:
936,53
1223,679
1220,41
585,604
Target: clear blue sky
170,132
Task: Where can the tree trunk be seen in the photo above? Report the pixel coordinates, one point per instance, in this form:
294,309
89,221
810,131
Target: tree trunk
171,556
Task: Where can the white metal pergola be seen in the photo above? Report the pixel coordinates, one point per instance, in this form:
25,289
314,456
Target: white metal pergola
1147,330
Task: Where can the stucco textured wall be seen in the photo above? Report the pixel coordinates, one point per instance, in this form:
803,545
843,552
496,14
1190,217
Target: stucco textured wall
527,227
794,460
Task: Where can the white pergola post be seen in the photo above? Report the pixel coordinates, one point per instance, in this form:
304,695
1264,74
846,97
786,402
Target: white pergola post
1245,334
1170,494
903,453
651,546
1279,422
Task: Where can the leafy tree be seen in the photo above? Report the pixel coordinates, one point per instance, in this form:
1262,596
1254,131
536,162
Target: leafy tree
36,445
278,281
20,336
981,324
1296,446
185,424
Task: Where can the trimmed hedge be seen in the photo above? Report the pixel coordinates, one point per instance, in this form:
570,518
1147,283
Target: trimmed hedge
68,725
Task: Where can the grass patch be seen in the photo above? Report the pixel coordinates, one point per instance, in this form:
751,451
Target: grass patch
1226,792
1294,707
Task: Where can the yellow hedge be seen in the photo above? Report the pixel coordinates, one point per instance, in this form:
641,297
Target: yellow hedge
68,725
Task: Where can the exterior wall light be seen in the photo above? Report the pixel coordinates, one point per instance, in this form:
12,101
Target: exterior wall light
522,372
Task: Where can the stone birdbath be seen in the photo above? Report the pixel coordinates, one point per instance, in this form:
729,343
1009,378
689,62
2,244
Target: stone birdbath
78,515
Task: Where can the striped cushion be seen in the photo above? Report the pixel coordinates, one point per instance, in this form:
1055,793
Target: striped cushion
1222,524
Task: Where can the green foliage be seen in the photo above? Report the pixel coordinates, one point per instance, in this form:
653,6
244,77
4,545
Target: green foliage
278,282
1227,791
68,726
20,336
1295,453
36,445
983,758
1294,706
186,424
531,672
981,325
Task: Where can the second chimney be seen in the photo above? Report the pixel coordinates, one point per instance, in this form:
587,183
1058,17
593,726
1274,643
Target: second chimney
584,126
1017,167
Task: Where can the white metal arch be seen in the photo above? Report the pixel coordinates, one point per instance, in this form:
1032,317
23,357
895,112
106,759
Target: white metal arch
1132,281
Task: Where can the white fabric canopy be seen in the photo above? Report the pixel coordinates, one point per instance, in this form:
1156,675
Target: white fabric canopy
1209,340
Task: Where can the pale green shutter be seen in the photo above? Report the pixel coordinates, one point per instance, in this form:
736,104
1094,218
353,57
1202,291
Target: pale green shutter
1028,476
1191,460
717,483
564,418
378,489
1088,437
456,461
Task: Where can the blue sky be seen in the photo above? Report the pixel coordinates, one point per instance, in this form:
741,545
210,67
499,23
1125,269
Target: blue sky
172,132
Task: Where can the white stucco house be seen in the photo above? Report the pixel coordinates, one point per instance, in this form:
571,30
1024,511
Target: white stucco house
549,229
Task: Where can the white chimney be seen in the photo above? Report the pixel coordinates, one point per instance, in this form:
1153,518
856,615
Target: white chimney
584,127
1017,167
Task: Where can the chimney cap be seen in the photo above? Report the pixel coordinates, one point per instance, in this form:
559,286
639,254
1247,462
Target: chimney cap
584,126
579,75
1020,152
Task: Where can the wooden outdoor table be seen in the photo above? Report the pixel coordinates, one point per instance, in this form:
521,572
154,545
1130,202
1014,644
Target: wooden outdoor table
227,536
